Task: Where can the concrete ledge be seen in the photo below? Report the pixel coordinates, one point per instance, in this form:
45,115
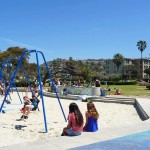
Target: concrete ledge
115,101
60,96
143,115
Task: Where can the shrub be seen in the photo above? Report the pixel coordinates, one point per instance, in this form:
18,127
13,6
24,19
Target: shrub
126,83
148,87
143,83
111,83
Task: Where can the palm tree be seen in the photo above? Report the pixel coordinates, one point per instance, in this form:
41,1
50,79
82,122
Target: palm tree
118,60
141,46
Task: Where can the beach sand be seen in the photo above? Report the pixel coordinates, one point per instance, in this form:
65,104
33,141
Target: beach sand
14,131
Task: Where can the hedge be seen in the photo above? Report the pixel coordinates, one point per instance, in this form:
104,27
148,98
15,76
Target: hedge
148,87
126,83
119,83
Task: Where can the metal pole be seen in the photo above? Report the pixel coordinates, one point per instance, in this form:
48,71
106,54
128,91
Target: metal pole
51,79
41,92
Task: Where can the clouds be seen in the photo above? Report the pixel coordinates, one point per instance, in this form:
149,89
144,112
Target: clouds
13,43
6,43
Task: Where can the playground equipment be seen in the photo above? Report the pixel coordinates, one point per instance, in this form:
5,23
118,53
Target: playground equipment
7,64
40,81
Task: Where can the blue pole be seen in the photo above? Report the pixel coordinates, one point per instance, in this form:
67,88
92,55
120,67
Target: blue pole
41,92
51,79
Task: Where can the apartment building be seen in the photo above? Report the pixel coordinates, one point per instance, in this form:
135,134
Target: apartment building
128,63
141,66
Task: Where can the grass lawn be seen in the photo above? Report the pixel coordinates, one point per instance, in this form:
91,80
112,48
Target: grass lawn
130,90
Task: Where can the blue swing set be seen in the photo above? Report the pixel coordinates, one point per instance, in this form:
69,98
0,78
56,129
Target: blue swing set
7,64
40,81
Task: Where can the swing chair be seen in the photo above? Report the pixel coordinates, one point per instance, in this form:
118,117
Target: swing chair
40,81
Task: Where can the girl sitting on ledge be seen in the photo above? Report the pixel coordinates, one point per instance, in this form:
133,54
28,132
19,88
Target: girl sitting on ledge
92,116
75,121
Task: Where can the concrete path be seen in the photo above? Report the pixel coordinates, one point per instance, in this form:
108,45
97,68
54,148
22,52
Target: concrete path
138,141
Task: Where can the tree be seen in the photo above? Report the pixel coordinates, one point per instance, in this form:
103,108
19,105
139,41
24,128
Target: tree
147,71
70,58
130,72
141,46
16,52
118,60
12,52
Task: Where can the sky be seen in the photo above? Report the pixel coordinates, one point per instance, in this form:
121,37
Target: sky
81,29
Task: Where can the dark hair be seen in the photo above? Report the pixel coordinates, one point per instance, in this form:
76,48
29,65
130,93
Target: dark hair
73,107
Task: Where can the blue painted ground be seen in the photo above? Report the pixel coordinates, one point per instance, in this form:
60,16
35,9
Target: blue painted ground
138,141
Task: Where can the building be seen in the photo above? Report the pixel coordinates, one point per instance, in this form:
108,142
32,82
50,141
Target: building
128,63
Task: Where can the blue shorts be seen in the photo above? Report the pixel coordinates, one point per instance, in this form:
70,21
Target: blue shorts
72,133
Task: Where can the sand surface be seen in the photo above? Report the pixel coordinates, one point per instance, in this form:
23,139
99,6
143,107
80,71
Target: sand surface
14,131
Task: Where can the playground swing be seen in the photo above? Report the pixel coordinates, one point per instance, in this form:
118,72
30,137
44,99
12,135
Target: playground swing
28,88
40,81
1,84
6,65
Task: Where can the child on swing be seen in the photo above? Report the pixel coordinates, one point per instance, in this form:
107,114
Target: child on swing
92,116
75,121
29,104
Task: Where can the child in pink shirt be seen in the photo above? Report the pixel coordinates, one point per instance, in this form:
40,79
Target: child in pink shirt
75,121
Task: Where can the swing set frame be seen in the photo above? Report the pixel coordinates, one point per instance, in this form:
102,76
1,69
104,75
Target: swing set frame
40,81
6,63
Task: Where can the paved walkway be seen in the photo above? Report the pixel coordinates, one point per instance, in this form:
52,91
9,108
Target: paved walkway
135,136
138,141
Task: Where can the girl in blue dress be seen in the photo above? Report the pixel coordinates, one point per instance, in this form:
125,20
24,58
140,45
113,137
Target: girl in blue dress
92,116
